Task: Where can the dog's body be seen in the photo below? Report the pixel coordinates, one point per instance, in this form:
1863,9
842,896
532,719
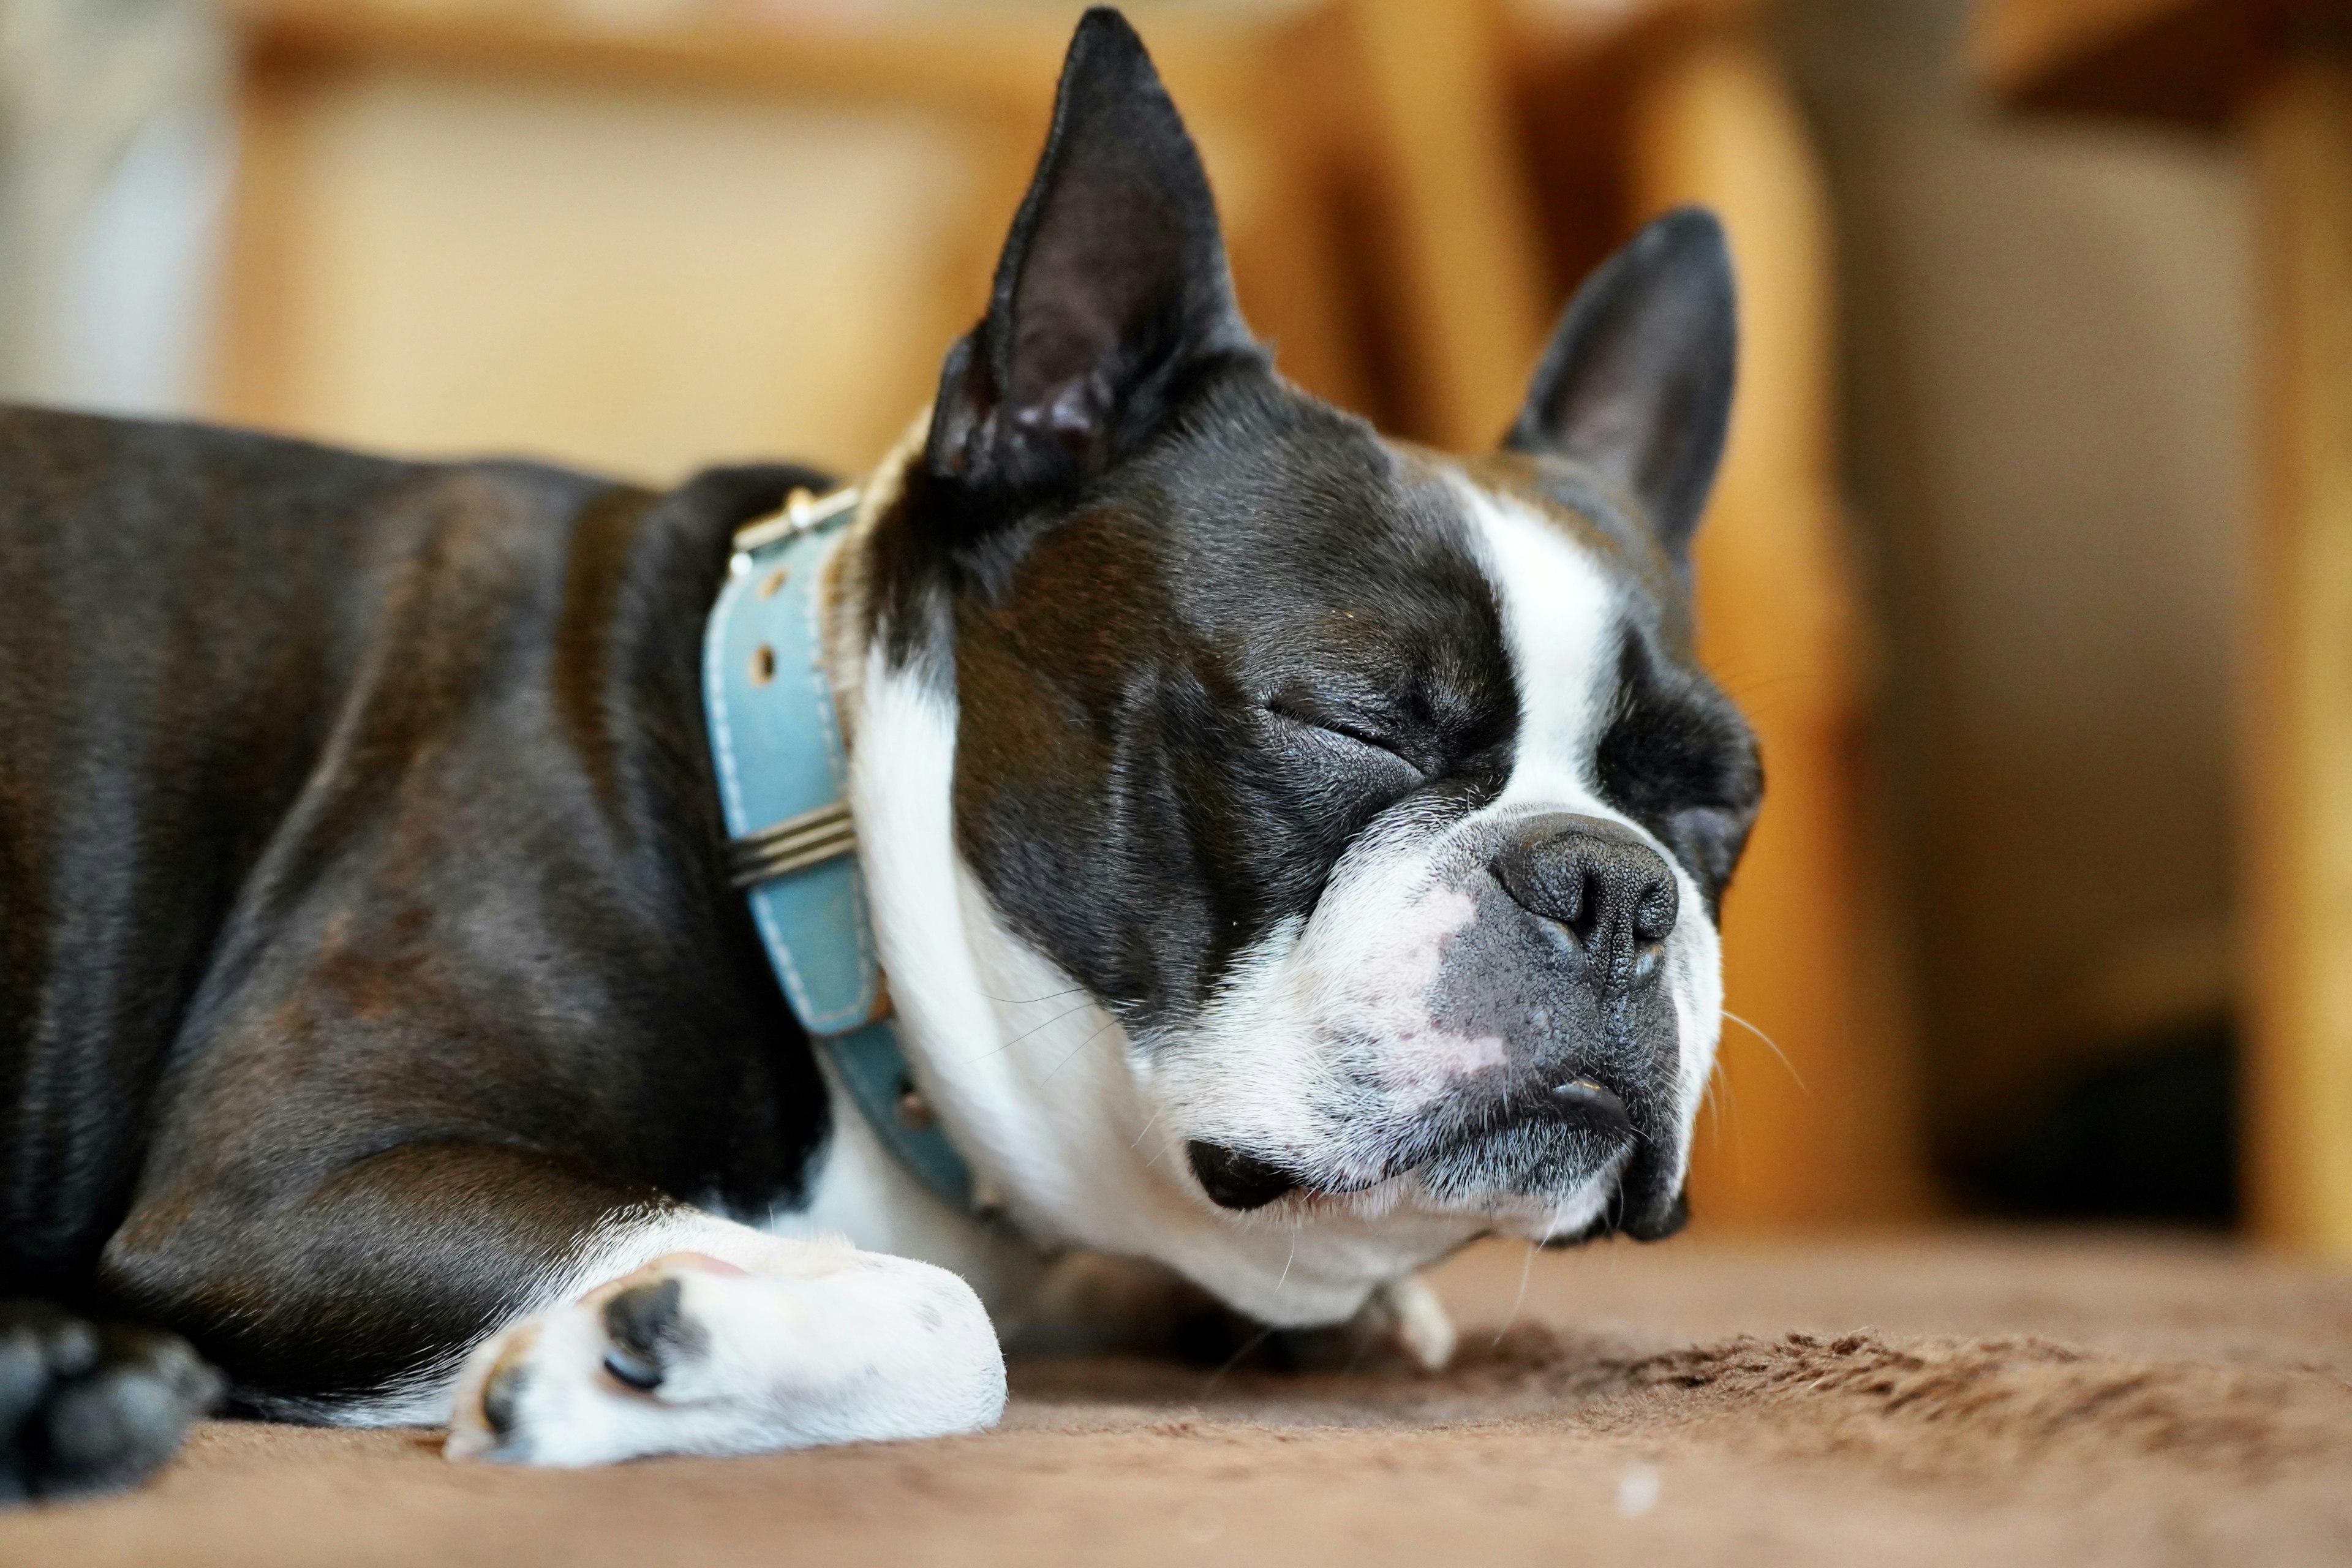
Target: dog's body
1292,855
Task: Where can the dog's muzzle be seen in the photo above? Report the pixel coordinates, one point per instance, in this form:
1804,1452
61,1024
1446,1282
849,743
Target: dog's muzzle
1565,964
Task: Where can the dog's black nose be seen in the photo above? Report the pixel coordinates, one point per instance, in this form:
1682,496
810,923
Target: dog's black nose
1613,894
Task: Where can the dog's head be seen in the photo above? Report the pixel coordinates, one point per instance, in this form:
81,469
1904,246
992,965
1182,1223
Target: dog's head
1296,852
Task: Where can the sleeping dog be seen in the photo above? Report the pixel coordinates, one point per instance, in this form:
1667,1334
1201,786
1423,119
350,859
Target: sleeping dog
444,908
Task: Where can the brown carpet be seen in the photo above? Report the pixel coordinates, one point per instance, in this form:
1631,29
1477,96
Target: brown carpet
1974,1400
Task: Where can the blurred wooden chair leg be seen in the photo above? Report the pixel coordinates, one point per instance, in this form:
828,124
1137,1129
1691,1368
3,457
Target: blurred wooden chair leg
1828,1134
1447,174
2299,729
1283,209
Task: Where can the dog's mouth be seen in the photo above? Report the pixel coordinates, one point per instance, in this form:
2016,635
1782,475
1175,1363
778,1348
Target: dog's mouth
1583,1132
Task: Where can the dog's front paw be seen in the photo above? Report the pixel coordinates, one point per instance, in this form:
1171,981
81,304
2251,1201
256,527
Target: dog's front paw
691,1356
91,1409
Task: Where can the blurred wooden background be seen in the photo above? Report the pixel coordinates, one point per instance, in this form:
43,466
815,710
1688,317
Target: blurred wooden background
2281,71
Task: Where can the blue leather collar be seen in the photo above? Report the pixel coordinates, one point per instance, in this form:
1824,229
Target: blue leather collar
783,782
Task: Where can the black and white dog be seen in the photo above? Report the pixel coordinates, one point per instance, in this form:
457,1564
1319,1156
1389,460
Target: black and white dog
1293,854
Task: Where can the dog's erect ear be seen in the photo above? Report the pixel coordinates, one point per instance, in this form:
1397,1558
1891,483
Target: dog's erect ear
1637,382
1112,286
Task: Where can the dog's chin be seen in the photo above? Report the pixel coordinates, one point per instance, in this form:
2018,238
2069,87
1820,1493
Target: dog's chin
1296,1251
1311,1261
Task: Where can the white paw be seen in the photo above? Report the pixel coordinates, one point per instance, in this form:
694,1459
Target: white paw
691,1355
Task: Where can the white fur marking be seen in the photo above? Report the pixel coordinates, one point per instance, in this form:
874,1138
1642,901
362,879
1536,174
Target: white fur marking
1558,614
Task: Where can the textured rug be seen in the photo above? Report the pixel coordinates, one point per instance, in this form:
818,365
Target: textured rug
1963,1399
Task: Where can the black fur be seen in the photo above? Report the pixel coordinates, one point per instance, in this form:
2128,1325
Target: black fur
363,936
1296,640
1678,759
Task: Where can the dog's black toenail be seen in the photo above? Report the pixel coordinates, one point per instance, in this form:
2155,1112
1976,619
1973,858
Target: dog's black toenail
643,1317
645,1332
634,1370
500,1398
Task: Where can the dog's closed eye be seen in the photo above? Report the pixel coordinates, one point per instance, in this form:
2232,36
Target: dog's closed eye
1338,729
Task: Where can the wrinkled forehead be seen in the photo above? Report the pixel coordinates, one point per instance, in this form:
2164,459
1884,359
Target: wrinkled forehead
1337,527
1363,551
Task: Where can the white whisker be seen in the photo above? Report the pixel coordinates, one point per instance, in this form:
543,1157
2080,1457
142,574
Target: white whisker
1770,1045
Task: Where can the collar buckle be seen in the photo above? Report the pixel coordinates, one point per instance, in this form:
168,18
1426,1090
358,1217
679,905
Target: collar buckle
803,512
